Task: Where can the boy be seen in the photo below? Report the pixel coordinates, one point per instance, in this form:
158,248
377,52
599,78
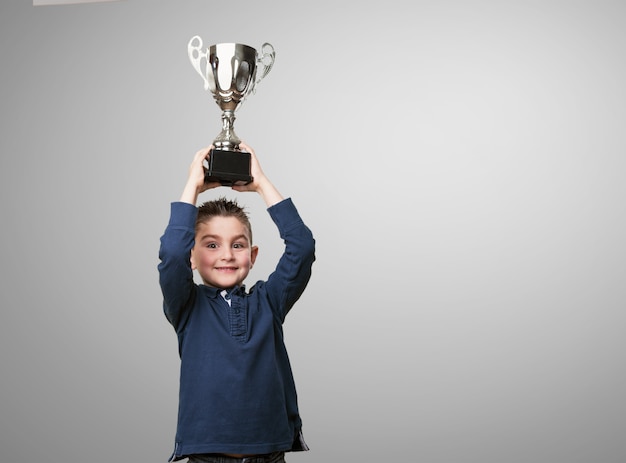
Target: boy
237,398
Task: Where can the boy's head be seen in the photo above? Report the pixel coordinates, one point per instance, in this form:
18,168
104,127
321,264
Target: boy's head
223,252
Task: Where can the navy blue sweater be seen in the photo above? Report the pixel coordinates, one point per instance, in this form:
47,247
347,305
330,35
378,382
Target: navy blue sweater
237,393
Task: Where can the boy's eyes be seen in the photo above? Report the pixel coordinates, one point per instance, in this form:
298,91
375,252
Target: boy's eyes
216,245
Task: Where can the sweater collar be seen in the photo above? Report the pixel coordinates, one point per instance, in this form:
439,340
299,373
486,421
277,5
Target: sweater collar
213,292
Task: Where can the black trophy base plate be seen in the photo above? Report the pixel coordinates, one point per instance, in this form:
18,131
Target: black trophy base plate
228,167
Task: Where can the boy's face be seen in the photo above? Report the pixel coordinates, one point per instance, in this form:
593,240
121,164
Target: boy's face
223,254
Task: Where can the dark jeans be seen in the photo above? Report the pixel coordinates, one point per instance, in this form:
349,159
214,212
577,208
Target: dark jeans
276,457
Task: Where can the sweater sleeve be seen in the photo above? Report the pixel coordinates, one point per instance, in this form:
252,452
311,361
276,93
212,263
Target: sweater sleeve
175,273
287,282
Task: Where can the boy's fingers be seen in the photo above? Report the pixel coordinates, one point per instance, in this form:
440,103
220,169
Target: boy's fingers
203,152
246,147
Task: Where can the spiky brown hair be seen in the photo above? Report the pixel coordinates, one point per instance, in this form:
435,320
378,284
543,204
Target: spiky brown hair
223,207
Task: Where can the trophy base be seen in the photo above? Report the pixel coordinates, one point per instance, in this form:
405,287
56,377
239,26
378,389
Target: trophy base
228,167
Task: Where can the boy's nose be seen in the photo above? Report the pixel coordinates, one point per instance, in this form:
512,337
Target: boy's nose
227,253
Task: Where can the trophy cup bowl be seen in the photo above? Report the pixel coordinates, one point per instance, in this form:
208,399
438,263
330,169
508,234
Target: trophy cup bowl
230,72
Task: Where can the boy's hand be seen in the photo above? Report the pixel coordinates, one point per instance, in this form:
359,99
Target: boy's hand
260,183
256,172
195,180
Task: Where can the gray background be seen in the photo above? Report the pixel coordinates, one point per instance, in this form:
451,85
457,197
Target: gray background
460,162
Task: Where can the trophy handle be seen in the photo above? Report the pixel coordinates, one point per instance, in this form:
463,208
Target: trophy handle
265,61
195,56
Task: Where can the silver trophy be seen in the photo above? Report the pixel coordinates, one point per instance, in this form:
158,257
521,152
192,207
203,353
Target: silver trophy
230,72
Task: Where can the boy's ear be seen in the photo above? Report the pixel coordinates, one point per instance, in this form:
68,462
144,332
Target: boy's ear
253,253
192,260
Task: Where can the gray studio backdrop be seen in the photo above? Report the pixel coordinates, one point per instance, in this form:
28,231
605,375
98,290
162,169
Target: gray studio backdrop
461,164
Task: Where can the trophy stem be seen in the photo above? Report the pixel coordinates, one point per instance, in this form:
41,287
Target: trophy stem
227,139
